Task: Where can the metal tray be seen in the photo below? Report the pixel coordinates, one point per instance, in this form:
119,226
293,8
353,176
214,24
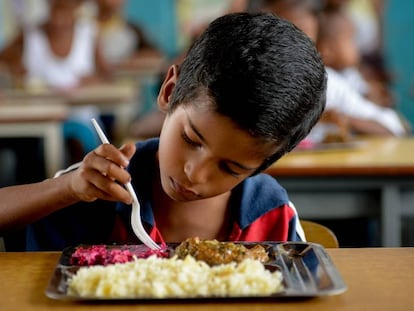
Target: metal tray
307,270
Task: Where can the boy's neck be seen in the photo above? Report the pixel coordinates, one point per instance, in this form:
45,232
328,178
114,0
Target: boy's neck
207,218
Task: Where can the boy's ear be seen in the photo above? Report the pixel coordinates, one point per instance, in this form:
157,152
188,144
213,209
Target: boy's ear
167,88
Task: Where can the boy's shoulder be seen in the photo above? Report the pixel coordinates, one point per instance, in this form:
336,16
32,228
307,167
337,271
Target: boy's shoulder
148,145
144,155
263,187
258,195
146,148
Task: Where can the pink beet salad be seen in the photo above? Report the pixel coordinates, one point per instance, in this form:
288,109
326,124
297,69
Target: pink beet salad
105,255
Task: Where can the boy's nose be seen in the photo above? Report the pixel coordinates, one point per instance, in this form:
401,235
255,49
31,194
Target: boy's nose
197,171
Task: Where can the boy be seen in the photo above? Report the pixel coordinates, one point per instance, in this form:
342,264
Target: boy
250,88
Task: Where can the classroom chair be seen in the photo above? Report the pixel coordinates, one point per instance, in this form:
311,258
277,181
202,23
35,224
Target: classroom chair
320,234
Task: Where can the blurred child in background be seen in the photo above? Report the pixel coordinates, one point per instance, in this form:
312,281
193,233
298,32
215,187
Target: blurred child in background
337,44
347,111
123,43
62,54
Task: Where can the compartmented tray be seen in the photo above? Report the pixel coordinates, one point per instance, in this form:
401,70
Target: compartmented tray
307,271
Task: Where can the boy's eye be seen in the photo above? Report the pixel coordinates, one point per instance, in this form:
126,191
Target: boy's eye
189,141
223,166
227,169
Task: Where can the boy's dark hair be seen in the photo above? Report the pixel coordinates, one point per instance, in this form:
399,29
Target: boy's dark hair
261,72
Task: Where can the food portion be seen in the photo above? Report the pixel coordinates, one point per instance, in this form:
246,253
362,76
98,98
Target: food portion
197,268
104,255
156,277
214,252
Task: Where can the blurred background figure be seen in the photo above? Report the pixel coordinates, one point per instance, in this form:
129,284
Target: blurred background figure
348,112
250,6
61,53
15,15
123,43
361,67
302,13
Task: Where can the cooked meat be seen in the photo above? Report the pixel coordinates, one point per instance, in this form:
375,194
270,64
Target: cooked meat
214,252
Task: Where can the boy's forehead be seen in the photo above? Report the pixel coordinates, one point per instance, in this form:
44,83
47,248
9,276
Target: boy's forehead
201,102
204,104
202,119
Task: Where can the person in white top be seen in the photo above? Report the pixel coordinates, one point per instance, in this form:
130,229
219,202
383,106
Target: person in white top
44,64
360,115
62,54
345,106
338,46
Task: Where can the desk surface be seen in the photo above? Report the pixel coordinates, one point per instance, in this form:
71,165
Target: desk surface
368,157
96,94
377,279
120,99
32,110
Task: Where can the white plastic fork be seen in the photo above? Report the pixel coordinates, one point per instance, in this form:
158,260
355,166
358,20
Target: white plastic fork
135,215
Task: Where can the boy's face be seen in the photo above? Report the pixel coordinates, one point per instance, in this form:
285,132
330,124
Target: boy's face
203,154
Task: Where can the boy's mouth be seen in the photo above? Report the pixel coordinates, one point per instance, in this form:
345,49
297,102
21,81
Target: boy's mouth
184,193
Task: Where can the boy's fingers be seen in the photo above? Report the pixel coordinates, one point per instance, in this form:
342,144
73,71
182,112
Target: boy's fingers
110,152
106,167
112,170
128,150
111,190
102,174
102,187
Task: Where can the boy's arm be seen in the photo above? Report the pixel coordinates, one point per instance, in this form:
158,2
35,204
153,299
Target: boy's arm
24,204
100,176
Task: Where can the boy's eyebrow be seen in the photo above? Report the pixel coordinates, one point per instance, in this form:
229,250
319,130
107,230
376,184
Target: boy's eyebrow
196,131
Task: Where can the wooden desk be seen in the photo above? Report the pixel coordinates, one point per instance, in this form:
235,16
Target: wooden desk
142,67
117,98
94,94
36,118
377,279
375,178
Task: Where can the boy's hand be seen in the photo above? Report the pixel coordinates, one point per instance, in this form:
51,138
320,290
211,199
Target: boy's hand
102,174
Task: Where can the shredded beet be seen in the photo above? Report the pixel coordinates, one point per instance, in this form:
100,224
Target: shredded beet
105,255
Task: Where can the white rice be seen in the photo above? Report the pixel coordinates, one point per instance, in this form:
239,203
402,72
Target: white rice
174,278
